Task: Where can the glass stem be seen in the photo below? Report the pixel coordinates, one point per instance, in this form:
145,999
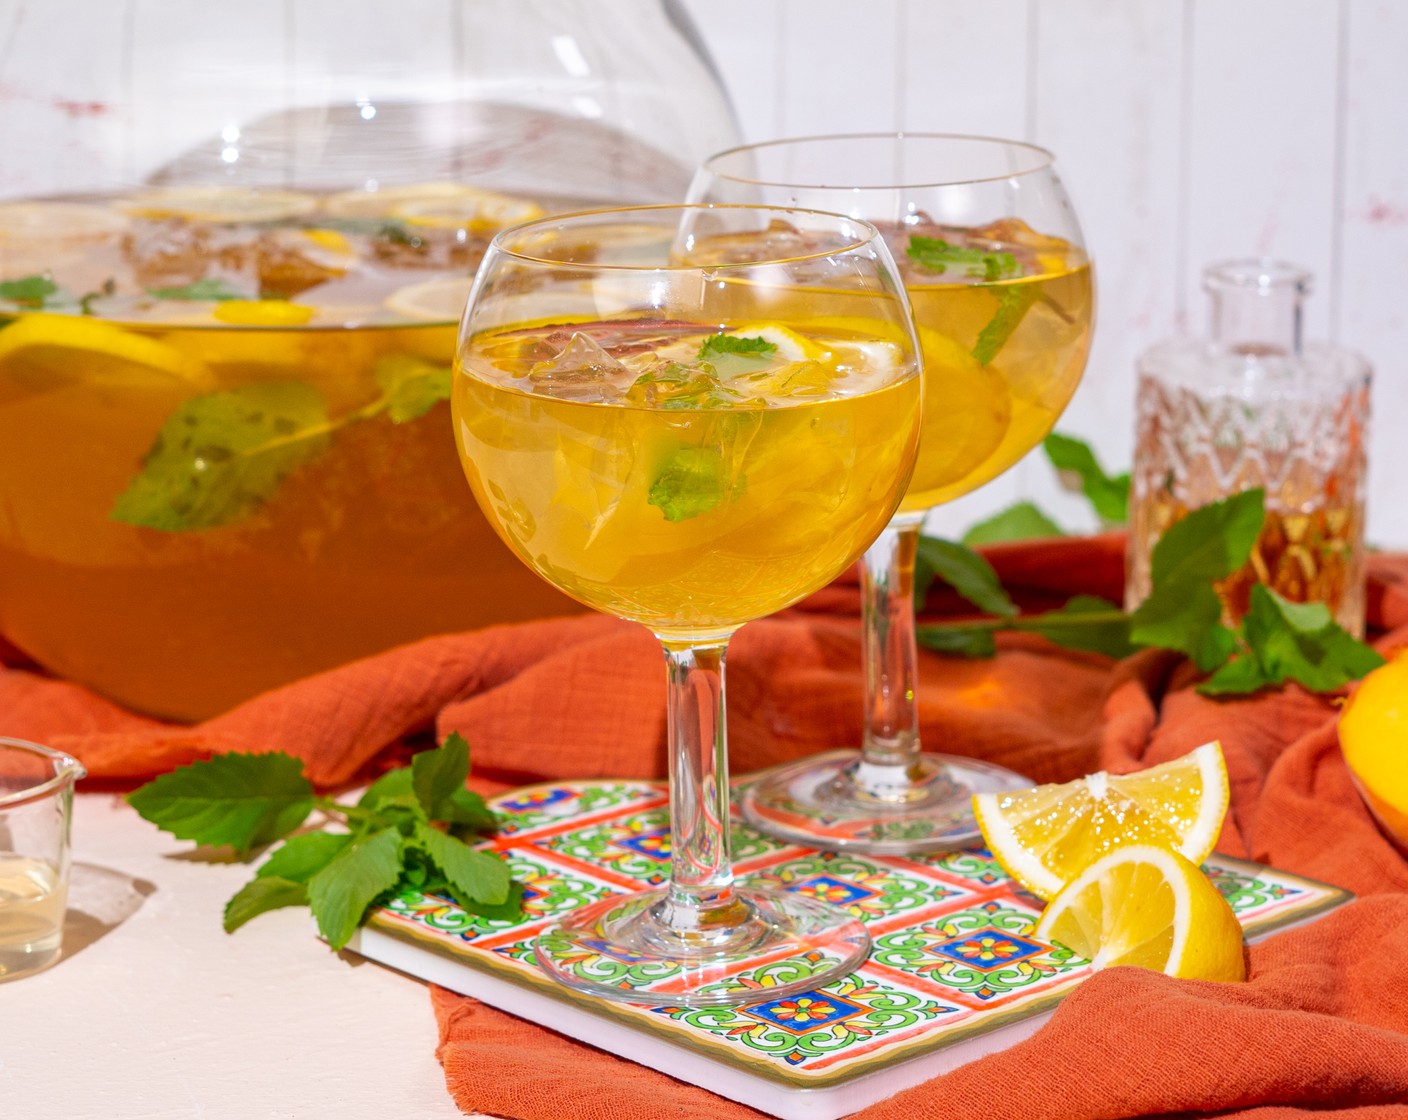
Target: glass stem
700,899
890,656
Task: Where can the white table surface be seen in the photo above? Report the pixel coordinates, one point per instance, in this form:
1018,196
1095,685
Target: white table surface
155,1013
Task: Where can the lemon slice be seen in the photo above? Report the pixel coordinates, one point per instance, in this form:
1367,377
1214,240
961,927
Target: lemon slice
63,221
967,411
39,352
433,301
262,313
791,346
1046,836
471,209
1145,906
380,203
225,205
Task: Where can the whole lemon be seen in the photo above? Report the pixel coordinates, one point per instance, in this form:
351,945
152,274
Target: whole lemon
1374,737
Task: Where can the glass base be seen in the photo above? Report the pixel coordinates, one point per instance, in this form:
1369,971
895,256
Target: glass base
770,944
837,802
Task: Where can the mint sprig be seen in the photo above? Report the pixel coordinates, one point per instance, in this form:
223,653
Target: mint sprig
206,288
938,256
408,831
1081,471
1277,640
220,456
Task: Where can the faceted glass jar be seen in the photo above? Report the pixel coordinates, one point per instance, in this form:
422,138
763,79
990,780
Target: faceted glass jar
235,241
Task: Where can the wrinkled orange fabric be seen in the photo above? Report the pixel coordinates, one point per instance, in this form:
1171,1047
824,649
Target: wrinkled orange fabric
1322,1025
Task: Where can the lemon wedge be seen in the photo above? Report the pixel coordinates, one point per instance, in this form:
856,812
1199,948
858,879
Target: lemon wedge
1044,837
40,352
1149,907
224,205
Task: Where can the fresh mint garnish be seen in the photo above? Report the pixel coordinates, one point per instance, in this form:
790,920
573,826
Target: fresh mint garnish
937,255
1021,521
204,289
387,843
1013,303
33,293
718,345
692,481
221,455
1277,640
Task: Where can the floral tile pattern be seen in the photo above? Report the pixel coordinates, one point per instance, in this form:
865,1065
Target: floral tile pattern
953,954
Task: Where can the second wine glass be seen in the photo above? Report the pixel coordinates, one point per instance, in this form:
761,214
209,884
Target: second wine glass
991,253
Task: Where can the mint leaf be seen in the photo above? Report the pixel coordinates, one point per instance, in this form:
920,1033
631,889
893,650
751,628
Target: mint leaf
219,456
717,345
957,640
299,858
1209,543
1237,677
691,482
1302,642
1074,459
243,800
393,786
474,876
1013,303
963,570
1185,616
29,292
938,255
438,774
411,386
1085,622
467,811
341,892
206,288
1019,522
261,895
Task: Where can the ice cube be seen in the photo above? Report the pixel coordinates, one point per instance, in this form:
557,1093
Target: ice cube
581,371
174,253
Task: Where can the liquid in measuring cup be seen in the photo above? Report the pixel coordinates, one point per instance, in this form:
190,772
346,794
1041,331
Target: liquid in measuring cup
32,903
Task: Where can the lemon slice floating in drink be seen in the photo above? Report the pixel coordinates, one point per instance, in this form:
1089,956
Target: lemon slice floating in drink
218,205
1146,906
967,411
40,352
432,301
1046,836
64,221
463,207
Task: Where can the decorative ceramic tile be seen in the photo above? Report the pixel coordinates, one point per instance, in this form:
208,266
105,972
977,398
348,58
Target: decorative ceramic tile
954,969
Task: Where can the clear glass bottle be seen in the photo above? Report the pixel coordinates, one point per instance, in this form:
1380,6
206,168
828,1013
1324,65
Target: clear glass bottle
1254,406
235,241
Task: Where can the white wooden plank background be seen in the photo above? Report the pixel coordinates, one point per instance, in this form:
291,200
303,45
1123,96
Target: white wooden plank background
1186,131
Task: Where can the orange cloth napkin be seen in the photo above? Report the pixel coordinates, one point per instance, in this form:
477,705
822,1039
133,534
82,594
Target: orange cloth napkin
1322,1024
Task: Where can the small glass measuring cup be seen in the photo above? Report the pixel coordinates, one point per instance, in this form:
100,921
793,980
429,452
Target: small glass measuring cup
36,801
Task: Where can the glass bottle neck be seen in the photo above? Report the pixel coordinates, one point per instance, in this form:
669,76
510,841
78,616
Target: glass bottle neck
1256,307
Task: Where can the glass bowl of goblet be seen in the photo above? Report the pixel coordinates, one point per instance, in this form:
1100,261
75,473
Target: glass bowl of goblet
690,417
991,253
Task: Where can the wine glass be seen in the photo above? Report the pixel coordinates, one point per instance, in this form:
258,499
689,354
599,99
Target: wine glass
991,253
690,417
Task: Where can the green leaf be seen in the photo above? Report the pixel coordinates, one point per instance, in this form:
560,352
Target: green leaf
1209,543
963,570
958,640
1186,616
438,774
1302,642
1085,622
31,292
691,482
938,255
219,456
1074,458
207,288
468,811
509,910
1237,677
716,346
341,892
394,785
243,800
474,876
299,858
1019,522
1013,303
261,895
411,386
